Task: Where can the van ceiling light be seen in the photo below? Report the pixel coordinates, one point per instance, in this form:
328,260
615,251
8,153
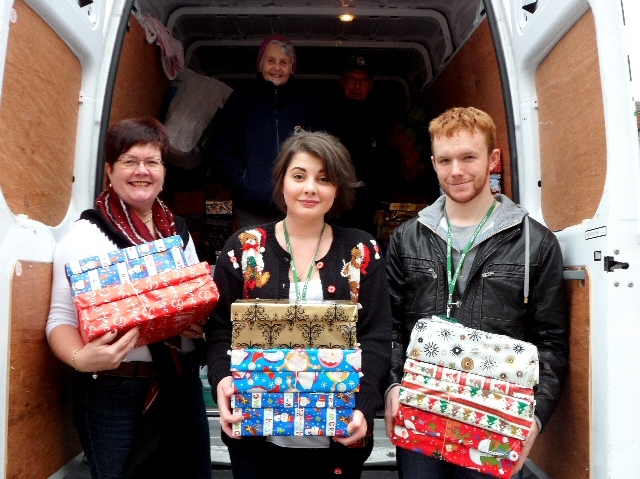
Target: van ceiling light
346,17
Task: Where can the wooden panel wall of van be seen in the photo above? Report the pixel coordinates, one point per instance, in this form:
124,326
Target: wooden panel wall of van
141,84
573,156
41,437
38,119
563,450
473,79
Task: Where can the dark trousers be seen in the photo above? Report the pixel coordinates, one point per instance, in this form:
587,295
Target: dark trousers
255,458
413,465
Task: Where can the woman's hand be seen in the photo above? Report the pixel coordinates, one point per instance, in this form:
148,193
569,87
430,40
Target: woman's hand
223,398
391,404
357,428
193,331
99,355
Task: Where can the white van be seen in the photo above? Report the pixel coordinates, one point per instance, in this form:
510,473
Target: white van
556,75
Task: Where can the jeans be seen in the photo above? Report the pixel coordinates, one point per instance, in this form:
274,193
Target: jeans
108,415
413,465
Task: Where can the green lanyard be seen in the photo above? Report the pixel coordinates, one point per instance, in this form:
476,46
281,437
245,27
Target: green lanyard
296,280
451,280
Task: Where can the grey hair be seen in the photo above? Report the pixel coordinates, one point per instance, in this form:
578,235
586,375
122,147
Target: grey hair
286,47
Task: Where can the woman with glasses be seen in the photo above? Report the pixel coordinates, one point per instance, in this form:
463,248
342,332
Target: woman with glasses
305,258
139,411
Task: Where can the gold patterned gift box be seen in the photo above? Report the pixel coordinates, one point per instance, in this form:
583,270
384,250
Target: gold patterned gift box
281,324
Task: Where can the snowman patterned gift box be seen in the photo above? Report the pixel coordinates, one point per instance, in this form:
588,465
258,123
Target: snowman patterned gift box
433,443
455,346
267,324
295,381
346,360
289,400
292,422
127,271
122,255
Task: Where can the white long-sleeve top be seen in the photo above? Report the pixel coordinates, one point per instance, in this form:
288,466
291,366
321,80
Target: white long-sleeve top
83,240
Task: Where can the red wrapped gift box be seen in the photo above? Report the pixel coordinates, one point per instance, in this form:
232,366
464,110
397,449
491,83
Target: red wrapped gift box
161,306
434,443
456,432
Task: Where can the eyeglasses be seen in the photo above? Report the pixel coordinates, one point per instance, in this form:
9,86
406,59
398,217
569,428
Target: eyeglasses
132,162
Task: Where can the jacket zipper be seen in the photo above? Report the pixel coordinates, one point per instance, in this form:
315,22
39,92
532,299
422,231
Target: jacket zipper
432,272
488,273
275,108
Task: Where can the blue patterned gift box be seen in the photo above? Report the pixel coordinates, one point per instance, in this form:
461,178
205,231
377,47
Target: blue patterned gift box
347,360
127,271
304,381
292,422
122,255
289,400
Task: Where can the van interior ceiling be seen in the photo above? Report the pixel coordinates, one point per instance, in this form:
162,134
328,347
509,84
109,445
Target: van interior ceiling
429,55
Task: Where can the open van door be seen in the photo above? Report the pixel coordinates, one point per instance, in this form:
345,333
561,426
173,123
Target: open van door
577,159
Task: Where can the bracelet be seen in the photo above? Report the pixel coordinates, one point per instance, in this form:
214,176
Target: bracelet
73,360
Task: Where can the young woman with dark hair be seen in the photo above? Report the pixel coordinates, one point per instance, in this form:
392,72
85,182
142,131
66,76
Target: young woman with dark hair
303,258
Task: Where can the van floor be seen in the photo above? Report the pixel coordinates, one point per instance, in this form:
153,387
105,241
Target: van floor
380,465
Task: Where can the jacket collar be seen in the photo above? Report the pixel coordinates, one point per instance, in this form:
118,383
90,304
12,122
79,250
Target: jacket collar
268,88
508,215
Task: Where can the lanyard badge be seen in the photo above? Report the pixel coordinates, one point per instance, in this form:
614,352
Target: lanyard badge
452,278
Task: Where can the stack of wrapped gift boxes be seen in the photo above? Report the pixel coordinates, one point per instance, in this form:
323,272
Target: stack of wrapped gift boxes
295,367
466,396
148,286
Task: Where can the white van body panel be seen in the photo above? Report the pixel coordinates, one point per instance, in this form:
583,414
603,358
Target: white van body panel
526,40
91,39
615,301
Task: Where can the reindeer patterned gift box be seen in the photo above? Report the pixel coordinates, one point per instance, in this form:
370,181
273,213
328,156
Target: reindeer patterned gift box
290,400
292,422
267,324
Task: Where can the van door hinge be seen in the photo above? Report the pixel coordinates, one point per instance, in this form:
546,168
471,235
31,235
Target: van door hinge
610,264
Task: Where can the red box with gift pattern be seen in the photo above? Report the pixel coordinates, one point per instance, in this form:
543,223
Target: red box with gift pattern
161,306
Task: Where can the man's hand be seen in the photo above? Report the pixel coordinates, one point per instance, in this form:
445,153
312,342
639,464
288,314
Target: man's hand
526,448
391,403
357,428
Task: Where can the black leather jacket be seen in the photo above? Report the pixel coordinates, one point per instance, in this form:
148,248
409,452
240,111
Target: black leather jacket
493,299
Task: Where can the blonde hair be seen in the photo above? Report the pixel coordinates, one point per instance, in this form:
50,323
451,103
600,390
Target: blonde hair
467,119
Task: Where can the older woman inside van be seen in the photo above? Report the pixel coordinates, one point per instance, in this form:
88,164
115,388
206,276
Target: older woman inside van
251,128
139,411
